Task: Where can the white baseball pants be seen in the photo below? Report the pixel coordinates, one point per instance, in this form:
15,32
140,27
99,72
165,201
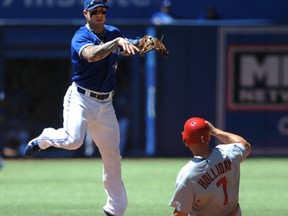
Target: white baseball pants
81,111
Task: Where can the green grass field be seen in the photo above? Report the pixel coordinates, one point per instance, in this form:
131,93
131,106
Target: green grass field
74,187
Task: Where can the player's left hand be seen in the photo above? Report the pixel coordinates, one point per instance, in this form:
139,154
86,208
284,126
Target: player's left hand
148,43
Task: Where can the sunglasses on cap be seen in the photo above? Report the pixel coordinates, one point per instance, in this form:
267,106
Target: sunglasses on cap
96,2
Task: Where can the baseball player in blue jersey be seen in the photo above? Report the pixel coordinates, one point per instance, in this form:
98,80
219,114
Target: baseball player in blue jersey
95,49
209,183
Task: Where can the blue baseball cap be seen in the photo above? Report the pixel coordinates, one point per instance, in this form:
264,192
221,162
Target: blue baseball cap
166,3
91,4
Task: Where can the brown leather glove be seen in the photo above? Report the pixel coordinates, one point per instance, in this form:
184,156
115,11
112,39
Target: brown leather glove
148,43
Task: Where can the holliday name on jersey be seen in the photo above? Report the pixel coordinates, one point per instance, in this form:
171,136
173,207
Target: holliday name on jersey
214,172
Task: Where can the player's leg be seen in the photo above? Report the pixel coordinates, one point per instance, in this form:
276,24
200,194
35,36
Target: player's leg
70,136
105,133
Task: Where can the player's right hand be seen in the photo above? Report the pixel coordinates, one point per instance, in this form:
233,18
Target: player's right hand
127,47
211,126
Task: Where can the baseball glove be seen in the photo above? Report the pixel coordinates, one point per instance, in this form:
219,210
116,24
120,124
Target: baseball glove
148,43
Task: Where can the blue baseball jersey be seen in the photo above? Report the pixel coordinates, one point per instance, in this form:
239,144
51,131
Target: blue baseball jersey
100,75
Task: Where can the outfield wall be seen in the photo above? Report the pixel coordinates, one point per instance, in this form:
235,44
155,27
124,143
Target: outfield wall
234,74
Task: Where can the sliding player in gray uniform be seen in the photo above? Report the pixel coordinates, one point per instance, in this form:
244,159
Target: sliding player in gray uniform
209,183
95,49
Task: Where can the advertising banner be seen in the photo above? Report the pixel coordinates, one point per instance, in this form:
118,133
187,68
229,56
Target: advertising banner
73,9
253,86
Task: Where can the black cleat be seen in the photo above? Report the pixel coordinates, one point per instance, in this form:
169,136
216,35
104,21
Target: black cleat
107,214
32,148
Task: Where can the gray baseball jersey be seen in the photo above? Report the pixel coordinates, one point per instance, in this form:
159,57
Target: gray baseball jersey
210,186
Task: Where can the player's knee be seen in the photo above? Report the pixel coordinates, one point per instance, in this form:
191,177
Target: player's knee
77,143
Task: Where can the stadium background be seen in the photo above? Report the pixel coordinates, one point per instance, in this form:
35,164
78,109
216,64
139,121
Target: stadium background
206,73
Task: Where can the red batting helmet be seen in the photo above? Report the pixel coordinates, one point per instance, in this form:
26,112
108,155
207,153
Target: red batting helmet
196,130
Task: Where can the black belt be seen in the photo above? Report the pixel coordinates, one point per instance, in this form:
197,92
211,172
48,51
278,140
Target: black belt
93,94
